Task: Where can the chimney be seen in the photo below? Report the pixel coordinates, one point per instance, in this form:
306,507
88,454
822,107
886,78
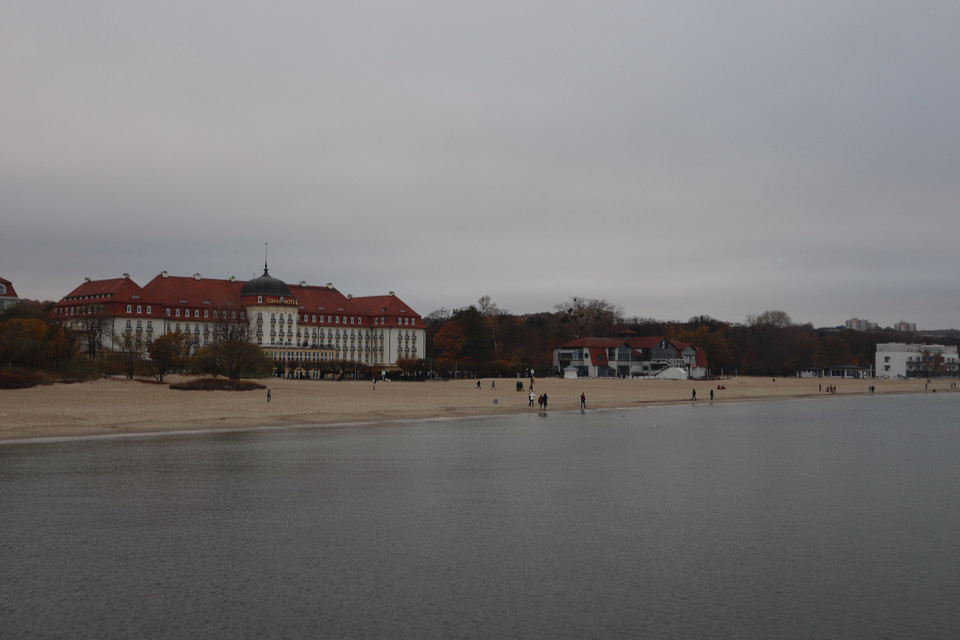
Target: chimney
126,276
164,274
196,276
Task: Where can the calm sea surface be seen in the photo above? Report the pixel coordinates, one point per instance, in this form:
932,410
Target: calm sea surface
826,518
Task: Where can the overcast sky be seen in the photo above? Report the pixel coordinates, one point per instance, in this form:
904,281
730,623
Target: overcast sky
676,158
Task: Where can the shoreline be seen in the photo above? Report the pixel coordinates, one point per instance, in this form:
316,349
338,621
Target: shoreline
118,407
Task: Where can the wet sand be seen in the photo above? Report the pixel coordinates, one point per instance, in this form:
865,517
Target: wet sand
119,406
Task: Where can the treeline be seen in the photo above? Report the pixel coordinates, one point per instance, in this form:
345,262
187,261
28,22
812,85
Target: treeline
35,350
482,340
479,340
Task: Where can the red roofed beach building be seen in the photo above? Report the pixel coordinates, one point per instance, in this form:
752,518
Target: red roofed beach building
302,325
628,357
8,297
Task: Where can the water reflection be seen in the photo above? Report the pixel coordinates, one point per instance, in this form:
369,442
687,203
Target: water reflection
796,519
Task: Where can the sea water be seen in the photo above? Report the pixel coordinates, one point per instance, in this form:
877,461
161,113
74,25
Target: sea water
819,518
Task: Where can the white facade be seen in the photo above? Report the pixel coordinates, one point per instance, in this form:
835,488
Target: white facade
899,360
298,327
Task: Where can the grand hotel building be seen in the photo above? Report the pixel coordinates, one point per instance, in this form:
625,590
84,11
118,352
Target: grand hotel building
303,324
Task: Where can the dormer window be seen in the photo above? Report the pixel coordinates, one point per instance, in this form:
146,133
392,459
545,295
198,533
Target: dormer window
259,299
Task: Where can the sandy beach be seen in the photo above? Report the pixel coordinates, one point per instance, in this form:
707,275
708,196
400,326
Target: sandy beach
119,406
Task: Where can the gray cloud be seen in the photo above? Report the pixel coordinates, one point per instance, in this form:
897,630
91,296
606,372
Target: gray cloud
675,158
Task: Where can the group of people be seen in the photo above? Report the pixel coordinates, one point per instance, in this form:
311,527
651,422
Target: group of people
541,400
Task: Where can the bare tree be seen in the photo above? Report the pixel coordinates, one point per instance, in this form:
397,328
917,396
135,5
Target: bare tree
231,338
93,328
438,316
488,309
574,313
593,317
773,318
130,346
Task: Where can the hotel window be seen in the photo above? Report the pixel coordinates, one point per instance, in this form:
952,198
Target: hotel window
259,299
139,324
139,309
149,325
149,310
178,313
128,325
206,314
129,308
178,326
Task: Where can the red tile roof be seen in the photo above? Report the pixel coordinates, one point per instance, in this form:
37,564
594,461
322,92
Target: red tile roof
114,290
9,285
598,355
179,291
198,293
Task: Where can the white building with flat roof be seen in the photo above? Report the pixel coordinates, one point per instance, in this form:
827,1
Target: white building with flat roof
899,360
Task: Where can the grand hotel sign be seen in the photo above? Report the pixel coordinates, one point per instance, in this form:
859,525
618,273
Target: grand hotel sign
281,300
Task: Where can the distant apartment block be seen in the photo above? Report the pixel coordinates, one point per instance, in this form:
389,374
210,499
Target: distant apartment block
899,360
905,327
856,324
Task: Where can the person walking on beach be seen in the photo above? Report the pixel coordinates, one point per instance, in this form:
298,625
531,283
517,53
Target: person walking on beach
544,401
478,384
711,395
583,401
268,394
531,399
493,384
694,396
